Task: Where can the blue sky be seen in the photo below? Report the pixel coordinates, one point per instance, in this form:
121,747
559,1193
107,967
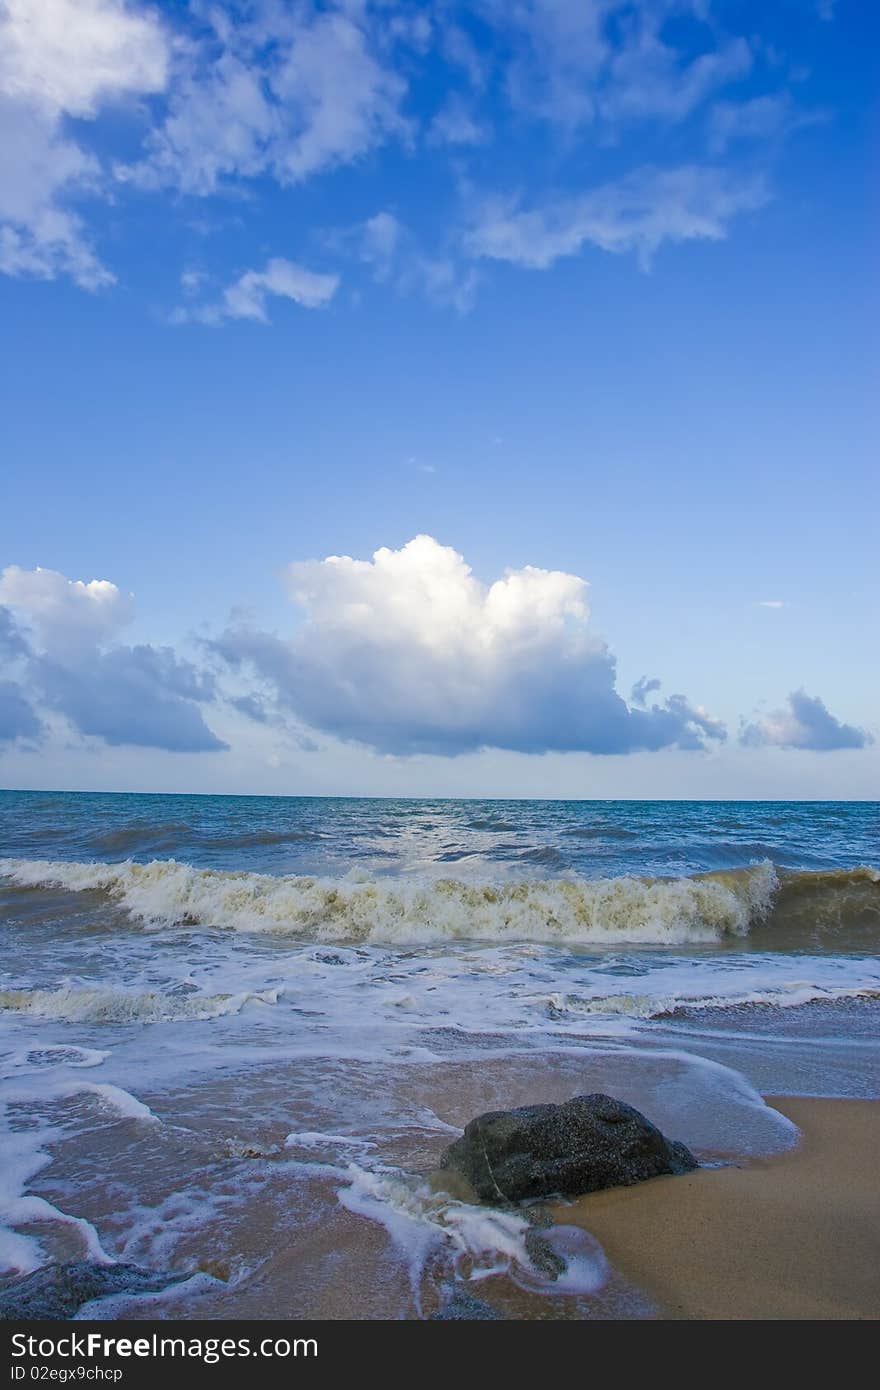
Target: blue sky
582,291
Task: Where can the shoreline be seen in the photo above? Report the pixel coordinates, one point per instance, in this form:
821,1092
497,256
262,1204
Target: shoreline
792,1236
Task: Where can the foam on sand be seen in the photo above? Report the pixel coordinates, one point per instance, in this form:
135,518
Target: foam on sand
477,1241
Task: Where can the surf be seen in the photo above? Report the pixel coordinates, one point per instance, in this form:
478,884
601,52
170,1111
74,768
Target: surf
763,902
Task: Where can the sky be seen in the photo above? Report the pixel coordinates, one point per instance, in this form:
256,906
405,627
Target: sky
443,399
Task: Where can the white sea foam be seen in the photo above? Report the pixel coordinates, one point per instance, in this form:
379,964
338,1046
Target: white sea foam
24,1155
478,1241
316,1139
356,908
71,1003
26,1151
786,995
120,1305
122,1102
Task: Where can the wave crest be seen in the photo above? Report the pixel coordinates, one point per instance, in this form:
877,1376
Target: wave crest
706,908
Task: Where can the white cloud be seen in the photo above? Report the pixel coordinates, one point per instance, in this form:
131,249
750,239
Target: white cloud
285,91
380,238
39,237
409,652
72,56
60,59
344,100
648,79
582,62
773,603
247,297
637,213
140,695
805,722
65,613
406,653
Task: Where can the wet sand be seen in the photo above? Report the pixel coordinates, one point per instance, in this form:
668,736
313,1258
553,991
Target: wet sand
792,1236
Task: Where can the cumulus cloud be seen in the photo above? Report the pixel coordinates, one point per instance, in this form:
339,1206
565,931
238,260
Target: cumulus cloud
805,722
637,213
642,689
18,719
17,716
247,297
61,59
66,614
140,695
60,633
409,652
12,643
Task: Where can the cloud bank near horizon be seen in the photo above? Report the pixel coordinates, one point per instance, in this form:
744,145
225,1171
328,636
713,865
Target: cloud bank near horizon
406,653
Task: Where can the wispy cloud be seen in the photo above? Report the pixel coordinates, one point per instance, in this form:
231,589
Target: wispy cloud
284,91
606,63
243,101
637,213
395,257
248,296
456,124
762,120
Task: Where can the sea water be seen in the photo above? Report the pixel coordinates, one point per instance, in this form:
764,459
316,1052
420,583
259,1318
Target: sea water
237,1033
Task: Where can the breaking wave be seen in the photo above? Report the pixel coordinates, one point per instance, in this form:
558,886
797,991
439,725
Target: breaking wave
706,908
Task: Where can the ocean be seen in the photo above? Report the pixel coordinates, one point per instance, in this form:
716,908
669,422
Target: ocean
236,1033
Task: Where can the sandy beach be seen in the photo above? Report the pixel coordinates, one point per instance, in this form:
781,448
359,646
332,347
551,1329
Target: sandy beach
792,1236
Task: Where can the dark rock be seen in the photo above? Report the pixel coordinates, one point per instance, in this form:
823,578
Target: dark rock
462,1306
58,1291
544,1258
586,1144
